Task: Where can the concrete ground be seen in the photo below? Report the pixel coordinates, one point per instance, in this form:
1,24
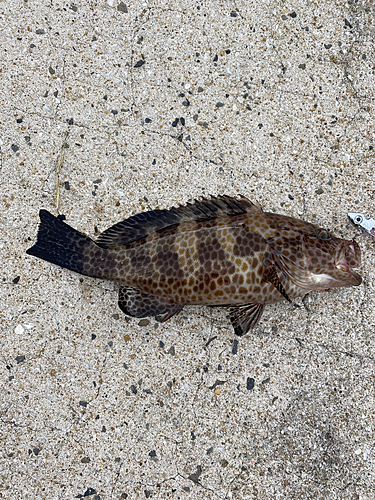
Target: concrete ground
161,102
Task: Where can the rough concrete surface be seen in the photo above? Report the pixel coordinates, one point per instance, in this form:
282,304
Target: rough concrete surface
165,102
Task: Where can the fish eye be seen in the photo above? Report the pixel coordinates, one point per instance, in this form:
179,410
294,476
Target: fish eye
324,235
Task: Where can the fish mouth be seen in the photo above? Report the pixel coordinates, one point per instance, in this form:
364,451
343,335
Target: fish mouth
348,256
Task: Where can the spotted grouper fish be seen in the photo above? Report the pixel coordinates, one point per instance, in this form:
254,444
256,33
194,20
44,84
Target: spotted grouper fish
218,251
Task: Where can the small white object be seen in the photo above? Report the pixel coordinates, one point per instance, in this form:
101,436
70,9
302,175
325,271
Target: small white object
19,330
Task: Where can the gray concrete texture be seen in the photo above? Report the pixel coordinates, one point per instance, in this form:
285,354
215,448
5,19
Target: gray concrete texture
165,102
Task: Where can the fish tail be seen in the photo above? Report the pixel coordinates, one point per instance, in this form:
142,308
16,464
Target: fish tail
60,244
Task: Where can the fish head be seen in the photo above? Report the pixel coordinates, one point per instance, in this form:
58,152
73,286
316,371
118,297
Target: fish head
329,261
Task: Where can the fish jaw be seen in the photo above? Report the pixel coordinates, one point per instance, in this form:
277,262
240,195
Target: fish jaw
340,272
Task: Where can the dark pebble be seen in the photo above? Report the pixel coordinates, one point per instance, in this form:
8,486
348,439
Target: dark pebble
180,137
104,429
216,58
210,450
227,51
105,97
20,359
93,336
36,451
154,161
144,322
152,453
89,492
266,381
115,316
290,197
195,477
293,15
235,346
83,403
233,13
260,125
133,389
181,95
16,280
67,185
302,66
125,366
219,104
147,493
328,45
347,23
219,368
122,7
139,63
186,103
371,148
51,71
161,344
175,122
205,124
200,89
284,17
15,148
11,378
85,460
69,121
124,495
172,351
40,31
19,120
186,488
73,8
148,120
250,382
182,121
188,138
114,111
319,191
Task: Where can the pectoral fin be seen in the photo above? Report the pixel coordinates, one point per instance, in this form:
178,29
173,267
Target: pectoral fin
139,304
245,317
271,276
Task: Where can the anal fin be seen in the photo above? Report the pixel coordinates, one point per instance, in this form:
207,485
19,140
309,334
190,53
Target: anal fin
245,316
139,304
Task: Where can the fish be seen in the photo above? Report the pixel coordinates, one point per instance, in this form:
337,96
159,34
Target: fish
218,251
362,221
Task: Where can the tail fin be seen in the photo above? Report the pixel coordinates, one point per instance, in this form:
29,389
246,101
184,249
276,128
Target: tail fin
60,244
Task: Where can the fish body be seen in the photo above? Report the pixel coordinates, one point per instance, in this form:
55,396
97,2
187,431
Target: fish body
221,251
364,222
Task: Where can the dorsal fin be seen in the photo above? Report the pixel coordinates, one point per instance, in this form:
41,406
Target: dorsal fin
141,225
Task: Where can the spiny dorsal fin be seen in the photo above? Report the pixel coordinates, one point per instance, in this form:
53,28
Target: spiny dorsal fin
141,225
